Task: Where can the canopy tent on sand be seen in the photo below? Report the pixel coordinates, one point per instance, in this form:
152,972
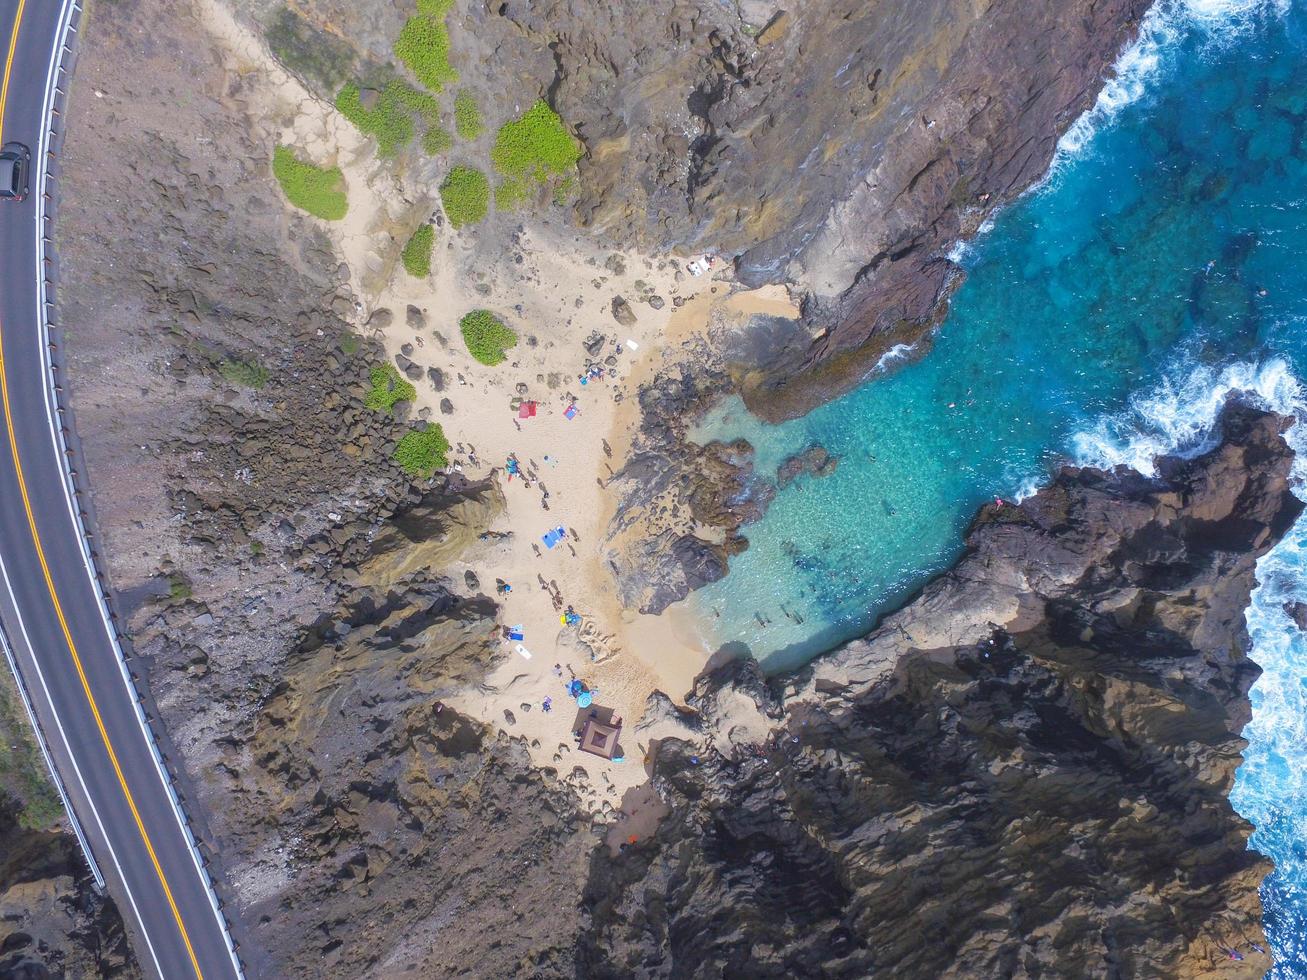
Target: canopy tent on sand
599,739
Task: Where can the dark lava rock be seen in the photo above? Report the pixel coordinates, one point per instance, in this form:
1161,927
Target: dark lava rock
406,350
437,378
470,580
1050,729
413,372
446,407
656,301
413,317
814,461
622,312
380,319
1298,613
402,362
594,344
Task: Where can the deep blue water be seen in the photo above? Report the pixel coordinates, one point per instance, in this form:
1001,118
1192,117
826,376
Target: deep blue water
1104,317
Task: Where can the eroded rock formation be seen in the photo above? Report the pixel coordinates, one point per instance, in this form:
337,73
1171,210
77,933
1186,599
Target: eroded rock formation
1022,773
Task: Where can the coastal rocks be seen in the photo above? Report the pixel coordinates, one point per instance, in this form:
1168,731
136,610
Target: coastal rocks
1297,611
1022,773
680,505
814,461
52,921
622,312
888,131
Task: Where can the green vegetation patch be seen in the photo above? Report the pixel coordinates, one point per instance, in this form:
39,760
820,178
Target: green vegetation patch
535,147
391,118
465,194
244,374
417,253
467,116
387,389
319,191
304,49
486,336
350,342
23,775
423,45
179,587
436,140
421,452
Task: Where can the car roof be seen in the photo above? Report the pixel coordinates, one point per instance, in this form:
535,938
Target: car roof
8,168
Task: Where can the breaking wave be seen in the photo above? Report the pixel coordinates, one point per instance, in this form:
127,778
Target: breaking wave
1161,34
1178,417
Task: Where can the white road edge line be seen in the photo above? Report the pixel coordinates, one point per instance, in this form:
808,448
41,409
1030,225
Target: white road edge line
108,842
61,450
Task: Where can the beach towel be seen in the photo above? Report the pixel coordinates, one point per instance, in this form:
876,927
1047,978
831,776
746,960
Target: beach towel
551,538
516,636
570,413
527,410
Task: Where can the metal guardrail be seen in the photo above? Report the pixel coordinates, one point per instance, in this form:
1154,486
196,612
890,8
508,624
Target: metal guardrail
63,437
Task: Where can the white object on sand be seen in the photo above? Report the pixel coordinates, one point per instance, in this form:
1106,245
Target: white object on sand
526,654
632,344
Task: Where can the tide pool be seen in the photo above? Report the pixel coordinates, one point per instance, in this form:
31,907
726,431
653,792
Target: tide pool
1161,265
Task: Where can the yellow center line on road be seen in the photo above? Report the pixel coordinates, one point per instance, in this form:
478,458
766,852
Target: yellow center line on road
45,568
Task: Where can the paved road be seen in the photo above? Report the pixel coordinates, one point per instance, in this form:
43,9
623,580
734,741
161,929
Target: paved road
49,607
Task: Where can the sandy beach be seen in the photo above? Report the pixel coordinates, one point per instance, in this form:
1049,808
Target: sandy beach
556,290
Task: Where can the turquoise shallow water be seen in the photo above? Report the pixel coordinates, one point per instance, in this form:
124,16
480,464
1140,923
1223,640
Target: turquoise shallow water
1105,316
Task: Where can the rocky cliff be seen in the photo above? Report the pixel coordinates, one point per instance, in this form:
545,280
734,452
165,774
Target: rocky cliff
838,147
1022,773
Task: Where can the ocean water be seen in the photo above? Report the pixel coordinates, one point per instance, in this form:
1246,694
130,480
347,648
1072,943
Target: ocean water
1106,315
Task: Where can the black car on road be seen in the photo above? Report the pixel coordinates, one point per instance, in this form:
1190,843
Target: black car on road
15,170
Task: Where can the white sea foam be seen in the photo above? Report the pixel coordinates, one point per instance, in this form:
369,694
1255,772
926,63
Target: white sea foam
1179,415
1160,32
894,355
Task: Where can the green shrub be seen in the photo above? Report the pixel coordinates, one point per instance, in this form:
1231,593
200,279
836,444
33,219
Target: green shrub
179,587
511,193
417,253
486,336
465,194
423,45
387,389
536,146
390,121
25,787
313,189
421,453
245,374
467,116
436,140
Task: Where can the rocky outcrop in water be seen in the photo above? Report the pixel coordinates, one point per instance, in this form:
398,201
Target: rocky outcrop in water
1022,773
681,505
815,461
